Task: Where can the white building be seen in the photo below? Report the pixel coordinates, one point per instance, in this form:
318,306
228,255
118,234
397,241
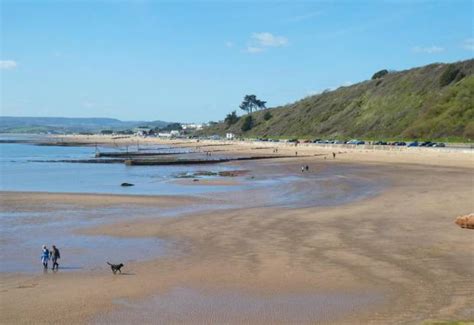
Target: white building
171,134
143,132
192,126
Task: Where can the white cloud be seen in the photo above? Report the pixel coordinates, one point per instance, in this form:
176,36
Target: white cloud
7,64
253,49
469,44
259,42
269,40
428,49
89,104
303,17
229,44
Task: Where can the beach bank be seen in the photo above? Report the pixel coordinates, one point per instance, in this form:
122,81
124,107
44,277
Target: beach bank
398,253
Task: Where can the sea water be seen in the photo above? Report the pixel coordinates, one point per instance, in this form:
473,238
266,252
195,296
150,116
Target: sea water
28,167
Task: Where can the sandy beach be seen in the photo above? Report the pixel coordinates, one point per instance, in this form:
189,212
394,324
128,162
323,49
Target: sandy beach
392,258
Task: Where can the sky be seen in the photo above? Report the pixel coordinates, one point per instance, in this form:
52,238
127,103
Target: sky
194,61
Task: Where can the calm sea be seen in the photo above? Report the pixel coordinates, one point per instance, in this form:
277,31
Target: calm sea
25,167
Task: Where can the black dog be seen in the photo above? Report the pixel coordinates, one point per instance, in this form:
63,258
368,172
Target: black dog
115,267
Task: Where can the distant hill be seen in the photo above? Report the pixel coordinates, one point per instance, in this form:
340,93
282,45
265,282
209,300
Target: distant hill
432,102
11,124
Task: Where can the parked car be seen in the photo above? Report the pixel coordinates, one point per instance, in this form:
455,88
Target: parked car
426,144
399,143
380,143
413,144
353,141
439,145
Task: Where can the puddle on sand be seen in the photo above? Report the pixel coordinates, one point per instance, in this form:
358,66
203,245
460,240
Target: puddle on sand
23,233
184,305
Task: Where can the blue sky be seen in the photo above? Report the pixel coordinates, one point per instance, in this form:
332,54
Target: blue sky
193,61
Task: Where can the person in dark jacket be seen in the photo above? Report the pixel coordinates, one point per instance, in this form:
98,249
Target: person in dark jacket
55,255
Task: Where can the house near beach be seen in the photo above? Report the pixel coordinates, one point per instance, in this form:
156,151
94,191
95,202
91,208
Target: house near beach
192,126
144,131
171,134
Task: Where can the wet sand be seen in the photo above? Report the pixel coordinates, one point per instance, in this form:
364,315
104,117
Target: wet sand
396,257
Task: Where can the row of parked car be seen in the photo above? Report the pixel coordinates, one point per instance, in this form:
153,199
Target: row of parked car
411,144
361,142
394,143
380,143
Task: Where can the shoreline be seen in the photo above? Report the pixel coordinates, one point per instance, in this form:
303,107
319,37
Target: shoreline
362,153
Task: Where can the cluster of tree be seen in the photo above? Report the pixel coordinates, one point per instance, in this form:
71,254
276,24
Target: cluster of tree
267,116
231,118
251,103
248,123
169,127
125,132
449,75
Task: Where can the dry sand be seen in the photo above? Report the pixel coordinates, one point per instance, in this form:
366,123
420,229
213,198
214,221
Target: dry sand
401,246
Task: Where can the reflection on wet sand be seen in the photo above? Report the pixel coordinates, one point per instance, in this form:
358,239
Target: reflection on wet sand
185,305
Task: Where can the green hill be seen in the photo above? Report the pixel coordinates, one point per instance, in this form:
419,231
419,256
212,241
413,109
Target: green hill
431,102
18,124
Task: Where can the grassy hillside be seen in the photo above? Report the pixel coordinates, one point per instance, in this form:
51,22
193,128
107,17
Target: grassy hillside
431,102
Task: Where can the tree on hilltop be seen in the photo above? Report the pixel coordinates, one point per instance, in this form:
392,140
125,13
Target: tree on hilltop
251,103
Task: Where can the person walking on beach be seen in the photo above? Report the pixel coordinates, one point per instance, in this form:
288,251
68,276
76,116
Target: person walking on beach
333,155
45,257
306,167
302,169
54,254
